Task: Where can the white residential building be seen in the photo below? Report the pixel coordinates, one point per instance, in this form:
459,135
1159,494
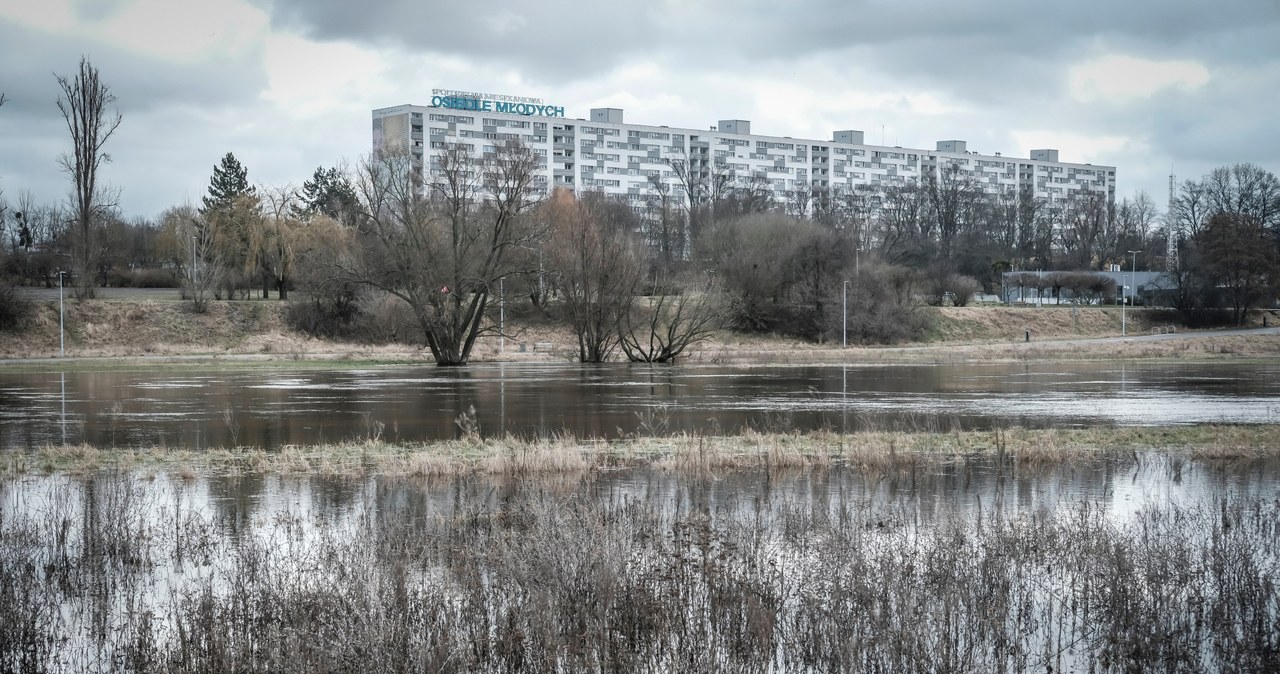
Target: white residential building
606,154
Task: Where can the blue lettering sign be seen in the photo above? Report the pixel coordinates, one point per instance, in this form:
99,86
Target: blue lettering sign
486,105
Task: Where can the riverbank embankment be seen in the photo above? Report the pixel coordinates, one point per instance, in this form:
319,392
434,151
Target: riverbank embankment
152,330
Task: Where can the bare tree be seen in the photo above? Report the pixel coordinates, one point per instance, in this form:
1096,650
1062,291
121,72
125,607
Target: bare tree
954,197
854,210
1189,211
692,179
799,201
597,267
189,238
753,257
1130,229
83,105
902,211
664,223
442,247
3,205
1084,225
670,323
706,184
1238,258
1246,190
753,194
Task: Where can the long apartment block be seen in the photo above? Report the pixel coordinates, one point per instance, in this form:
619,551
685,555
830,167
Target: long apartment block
607,154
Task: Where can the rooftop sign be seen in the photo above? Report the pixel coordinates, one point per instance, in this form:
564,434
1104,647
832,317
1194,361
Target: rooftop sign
514,105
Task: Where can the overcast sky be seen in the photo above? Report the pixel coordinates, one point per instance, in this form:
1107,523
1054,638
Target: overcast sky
288,85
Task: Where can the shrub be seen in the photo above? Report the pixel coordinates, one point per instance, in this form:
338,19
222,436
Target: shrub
319,318
882,308
154,278
962,289
344,314
944,287
14,311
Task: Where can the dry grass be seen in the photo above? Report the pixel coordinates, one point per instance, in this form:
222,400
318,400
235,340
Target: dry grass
1007,324
109,574
255,330
872,451
1201,347
145,328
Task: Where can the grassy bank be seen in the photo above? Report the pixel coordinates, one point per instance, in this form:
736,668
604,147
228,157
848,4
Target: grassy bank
870,451
148,329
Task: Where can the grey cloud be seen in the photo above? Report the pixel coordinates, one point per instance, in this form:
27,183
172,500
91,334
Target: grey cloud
152,94
557,38
959,45
97,9
140,83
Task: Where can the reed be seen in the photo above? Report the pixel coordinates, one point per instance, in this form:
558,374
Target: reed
105,574
879,451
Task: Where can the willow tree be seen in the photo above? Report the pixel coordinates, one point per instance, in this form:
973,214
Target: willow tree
272,238
83,104
442,243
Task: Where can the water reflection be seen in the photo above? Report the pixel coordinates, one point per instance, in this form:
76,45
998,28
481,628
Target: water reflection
241,502
270,408
158,568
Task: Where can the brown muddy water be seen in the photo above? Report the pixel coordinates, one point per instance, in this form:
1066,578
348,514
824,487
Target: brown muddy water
1143,563
267,408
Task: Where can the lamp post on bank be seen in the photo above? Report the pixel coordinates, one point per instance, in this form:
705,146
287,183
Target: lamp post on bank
844,314
1124,299
1133,271
62,333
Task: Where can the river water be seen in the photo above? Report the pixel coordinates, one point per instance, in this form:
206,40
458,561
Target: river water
126,558
275,406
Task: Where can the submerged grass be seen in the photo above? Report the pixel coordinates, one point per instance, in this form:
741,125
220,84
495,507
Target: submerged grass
102,574
881,451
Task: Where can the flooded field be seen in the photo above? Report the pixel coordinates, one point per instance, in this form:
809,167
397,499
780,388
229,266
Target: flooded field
1148,562
191,408
972,558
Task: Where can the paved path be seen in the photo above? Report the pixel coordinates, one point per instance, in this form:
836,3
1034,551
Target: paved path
1189,334
153,294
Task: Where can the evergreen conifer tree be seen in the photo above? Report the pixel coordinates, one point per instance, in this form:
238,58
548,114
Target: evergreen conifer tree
230,180
328,192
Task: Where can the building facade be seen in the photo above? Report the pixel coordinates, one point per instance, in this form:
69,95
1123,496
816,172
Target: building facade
607,154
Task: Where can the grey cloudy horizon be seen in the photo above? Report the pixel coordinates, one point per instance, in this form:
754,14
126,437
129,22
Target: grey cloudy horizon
288,85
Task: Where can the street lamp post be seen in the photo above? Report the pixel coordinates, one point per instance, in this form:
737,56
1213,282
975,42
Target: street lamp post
502,315
1123,299
62,333
844,314
1124,327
